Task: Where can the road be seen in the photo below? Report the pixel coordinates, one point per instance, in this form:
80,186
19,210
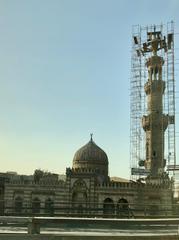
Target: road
103,229
53,233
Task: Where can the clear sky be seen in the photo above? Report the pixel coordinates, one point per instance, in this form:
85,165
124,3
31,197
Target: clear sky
64,73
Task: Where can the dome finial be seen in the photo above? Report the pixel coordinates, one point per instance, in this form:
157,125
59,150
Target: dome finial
91,134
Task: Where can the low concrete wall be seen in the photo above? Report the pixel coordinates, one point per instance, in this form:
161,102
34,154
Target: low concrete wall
65,237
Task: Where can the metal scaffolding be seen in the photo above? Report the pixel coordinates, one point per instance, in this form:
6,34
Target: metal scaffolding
171,100
138,103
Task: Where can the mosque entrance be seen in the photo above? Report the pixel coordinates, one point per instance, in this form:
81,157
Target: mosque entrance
79,198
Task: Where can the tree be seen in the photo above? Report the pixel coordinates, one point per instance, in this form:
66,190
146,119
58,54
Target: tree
38,174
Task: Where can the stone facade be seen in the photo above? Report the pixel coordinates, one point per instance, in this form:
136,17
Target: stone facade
87,191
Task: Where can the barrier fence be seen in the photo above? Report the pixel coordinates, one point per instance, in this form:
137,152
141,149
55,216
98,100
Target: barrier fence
81,226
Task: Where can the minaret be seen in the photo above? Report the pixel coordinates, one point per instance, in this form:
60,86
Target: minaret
156,122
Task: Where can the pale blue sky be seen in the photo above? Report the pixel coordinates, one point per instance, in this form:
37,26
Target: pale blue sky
64,73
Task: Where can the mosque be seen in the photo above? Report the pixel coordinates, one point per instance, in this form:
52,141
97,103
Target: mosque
87,189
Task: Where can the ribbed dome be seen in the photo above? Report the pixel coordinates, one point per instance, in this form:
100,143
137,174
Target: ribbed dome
90,152
92,157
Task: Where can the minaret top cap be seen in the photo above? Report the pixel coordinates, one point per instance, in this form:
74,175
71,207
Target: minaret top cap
91,137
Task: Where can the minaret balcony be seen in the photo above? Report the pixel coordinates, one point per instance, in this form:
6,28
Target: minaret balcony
152,86
154,121
154,61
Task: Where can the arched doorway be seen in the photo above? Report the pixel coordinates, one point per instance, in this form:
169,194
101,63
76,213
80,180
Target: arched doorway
108,207
18,205
36,205
79,198
122,208
49,206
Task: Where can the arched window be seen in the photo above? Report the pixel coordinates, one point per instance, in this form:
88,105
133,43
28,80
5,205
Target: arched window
49,206
18,205
122,208
35,205
108,207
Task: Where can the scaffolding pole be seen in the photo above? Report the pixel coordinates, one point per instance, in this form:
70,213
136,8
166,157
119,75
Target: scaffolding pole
138,101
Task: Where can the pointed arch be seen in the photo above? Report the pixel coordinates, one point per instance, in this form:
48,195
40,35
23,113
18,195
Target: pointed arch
108,207
79,197
122,208
36,205
18,203
49,206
